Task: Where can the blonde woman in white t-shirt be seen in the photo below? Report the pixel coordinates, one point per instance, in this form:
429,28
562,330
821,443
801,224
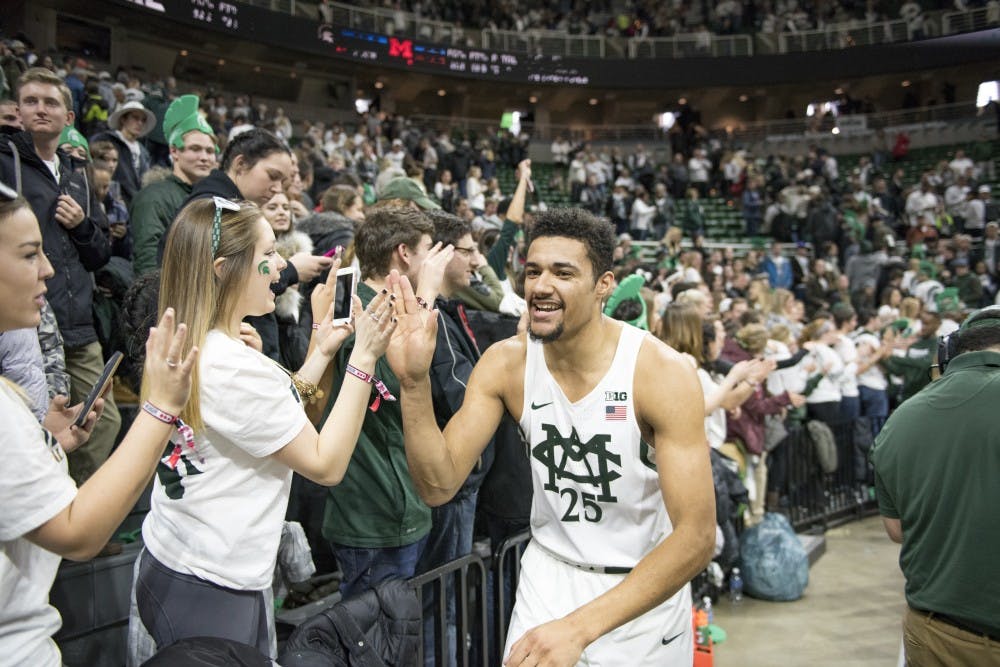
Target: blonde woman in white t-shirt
219,498
45,516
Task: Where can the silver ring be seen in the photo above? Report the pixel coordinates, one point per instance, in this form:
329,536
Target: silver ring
171,364
373,316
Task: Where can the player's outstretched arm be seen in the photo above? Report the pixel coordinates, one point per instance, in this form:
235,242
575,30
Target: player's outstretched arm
670,408
440,462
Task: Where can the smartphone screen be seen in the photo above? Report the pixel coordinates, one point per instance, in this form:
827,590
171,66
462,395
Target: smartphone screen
342,299
99,388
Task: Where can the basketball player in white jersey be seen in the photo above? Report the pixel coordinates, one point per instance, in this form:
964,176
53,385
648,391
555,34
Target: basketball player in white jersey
619,527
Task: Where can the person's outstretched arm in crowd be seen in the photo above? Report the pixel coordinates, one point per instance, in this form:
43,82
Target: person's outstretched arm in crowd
497,256
80,530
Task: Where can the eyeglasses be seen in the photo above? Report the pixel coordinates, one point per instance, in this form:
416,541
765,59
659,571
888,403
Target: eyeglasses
466,252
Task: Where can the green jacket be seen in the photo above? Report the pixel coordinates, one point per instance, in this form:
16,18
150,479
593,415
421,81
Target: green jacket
970,289
152,210
486,296
376,504
915,367
935,470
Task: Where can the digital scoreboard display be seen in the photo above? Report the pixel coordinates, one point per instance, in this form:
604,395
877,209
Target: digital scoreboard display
383,49
266,26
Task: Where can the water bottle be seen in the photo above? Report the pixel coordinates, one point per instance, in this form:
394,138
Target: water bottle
735,586
706,604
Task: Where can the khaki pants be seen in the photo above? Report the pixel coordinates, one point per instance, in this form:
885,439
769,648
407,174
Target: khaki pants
84,366
930,642
760,481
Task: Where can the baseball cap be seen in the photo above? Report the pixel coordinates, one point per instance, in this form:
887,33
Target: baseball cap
984,189
407,188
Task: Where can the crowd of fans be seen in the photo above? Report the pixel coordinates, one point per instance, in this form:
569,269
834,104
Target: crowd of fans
664,19
838,330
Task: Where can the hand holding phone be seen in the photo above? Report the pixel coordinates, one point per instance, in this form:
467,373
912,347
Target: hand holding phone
100,387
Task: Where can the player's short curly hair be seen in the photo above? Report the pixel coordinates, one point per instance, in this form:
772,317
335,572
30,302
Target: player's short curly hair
596,234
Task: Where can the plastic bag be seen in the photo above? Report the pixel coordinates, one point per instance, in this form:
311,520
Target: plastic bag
775,565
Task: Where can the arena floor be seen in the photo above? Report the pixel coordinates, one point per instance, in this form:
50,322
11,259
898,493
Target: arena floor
850,615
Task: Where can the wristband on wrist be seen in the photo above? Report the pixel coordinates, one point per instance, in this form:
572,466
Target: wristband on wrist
159,414
383,391
185,431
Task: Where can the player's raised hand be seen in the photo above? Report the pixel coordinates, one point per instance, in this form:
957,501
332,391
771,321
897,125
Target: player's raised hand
412,346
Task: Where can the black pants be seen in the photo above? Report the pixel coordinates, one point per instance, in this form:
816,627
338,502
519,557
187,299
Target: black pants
176,606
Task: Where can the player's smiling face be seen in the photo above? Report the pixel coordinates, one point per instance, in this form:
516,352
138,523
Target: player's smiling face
559,287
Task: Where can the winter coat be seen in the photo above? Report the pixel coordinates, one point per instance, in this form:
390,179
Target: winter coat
73,253
126,172
379,628
151,212
327,230
292,338
749,426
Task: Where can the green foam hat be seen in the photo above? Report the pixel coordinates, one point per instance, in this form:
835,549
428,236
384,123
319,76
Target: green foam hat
182,117
629,288
70,135
947,300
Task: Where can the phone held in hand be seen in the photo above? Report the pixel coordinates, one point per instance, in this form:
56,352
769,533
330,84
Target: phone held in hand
99,388
343,298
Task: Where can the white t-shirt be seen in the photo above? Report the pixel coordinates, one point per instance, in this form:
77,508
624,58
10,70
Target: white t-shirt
874,377
715,423
218,516
53,167
828,389
848,351
34,487
133,147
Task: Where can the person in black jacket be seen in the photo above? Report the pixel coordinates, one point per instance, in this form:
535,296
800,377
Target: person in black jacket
75,238
256,166
129,123
455,355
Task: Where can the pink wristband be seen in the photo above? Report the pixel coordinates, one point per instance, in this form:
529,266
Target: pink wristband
360,374
383,391
164,417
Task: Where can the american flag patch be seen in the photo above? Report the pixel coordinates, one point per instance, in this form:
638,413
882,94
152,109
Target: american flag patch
614,413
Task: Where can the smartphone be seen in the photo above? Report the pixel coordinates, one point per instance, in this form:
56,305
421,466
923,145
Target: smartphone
343,298
332,251
99,388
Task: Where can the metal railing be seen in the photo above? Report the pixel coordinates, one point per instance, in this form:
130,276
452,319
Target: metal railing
953,23
551,42
843,35
746,132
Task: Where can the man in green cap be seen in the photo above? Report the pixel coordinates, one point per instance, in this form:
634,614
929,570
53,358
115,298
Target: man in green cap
192,152
407,189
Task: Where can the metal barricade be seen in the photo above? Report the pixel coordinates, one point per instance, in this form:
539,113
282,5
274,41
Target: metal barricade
813,498
452,583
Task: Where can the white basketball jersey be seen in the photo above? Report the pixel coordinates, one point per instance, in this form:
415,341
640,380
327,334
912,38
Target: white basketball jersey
597,497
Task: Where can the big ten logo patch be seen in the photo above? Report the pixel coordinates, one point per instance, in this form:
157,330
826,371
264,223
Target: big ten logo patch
617,396
582,464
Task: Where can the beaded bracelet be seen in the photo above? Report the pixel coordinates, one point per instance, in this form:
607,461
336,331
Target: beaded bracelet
308,391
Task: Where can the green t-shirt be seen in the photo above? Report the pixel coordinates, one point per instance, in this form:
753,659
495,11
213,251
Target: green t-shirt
936,470
376,504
